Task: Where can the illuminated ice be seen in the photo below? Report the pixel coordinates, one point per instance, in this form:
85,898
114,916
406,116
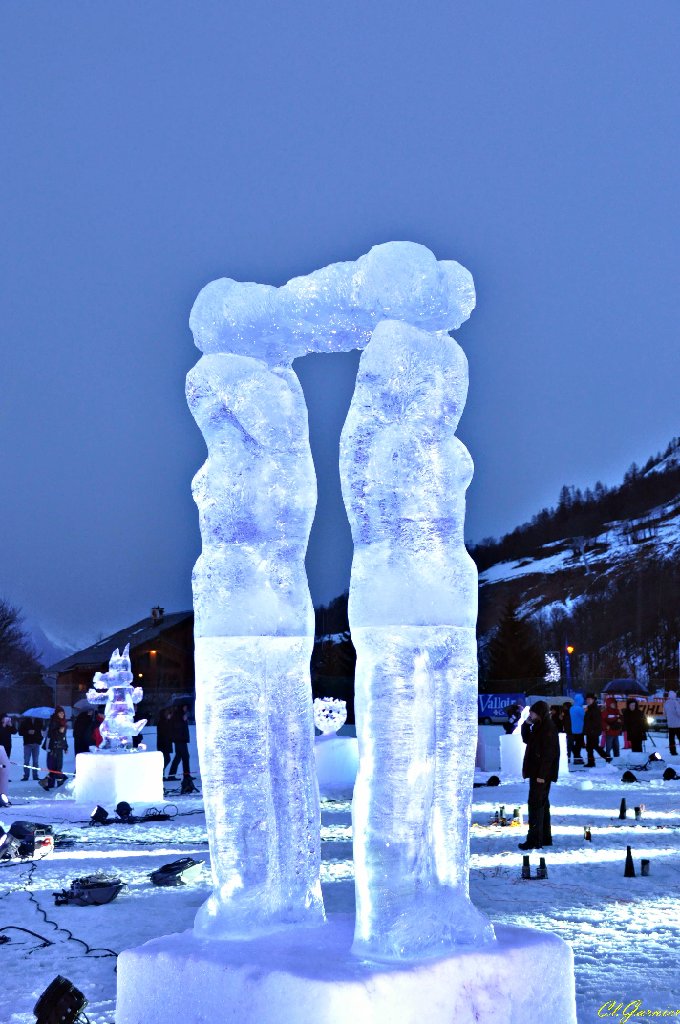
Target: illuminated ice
412,610
413,597
329,714
115,691
254,632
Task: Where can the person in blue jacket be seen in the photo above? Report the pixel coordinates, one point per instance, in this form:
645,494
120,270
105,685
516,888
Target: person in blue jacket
576,713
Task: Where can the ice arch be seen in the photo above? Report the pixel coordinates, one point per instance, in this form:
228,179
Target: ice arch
404,477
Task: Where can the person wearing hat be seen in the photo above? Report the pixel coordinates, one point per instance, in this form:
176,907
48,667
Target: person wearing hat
540,767
672,709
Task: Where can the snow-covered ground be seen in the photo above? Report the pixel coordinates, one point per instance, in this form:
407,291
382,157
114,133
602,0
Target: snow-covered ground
625,933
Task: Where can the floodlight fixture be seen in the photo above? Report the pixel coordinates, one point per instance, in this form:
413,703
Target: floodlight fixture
656,756
124,811
60,1003
99,816
5,800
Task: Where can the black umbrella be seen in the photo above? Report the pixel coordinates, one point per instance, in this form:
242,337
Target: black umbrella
177,702
626,687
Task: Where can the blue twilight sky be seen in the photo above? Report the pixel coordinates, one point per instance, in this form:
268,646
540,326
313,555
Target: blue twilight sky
148,148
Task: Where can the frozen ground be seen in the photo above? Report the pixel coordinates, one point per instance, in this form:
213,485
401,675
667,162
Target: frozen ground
625,933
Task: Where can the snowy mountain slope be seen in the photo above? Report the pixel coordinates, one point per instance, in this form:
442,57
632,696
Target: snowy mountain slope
657,534
601,570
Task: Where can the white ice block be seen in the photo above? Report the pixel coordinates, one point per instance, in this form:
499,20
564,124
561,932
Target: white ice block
488,757
512,756
337,763
309,977
106,779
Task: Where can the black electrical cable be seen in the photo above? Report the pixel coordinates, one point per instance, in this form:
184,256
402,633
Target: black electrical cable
17,928
89,950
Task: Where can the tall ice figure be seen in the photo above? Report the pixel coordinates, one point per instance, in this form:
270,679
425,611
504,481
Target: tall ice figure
254,629
412,611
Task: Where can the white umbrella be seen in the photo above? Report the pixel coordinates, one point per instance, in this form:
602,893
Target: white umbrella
38,713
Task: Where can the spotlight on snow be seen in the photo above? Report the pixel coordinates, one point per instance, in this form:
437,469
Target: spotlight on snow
124,811
99,816
656,756
4,800
60,1003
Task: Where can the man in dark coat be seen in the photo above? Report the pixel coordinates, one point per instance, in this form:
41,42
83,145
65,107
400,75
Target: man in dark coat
30,730
164,736
592,728
7,730
180,736
540,767
83,729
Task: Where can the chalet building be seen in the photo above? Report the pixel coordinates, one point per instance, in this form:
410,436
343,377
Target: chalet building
161,654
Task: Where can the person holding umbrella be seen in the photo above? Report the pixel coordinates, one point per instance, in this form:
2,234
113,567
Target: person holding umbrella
635,725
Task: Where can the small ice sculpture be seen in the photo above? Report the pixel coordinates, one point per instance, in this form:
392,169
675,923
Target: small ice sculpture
329,714
114,689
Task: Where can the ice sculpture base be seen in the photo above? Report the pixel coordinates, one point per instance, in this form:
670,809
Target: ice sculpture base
337,764
308,976
107,779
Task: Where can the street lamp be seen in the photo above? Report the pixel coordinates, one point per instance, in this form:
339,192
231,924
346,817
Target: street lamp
568,651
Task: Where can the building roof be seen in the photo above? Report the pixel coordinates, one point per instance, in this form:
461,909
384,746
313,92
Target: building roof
142,632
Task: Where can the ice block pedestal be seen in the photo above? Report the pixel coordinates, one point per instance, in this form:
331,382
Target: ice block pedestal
107,779
337,763
308,976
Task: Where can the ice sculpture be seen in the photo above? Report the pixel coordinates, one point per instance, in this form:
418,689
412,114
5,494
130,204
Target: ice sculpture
412,610
254,627
413,595
114,690
329,714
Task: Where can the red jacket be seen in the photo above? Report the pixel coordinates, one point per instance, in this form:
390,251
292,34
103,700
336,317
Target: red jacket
612,723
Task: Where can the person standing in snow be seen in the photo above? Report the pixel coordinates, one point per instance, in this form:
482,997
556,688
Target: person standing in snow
540,767
576,714
83,728
180,736
592,729
30,731
672,709
57,743
7,730
635,725
4,771
164,736
613,726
